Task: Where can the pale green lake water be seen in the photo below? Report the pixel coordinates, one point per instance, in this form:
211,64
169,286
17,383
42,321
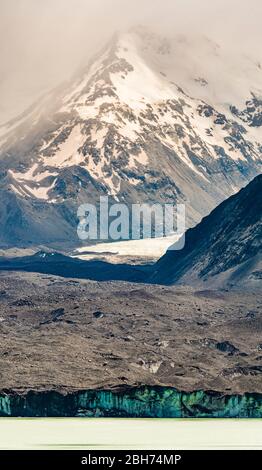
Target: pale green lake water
90,433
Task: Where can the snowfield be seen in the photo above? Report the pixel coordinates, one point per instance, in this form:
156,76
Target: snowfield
149,248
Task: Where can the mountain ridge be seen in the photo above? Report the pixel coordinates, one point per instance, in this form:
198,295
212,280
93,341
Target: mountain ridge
124,128
224,249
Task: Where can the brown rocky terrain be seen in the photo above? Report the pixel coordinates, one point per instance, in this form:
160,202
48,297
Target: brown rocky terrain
65,335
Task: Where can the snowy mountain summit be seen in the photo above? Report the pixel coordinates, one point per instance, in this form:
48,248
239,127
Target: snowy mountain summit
150,119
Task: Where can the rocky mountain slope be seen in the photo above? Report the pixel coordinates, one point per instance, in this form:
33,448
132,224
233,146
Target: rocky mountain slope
150,119
225,248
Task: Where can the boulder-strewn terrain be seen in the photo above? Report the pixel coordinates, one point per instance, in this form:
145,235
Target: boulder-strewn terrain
67,336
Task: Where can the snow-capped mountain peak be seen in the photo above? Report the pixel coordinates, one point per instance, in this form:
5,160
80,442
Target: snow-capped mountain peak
150,119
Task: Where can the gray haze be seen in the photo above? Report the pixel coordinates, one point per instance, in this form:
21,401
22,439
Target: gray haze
43,42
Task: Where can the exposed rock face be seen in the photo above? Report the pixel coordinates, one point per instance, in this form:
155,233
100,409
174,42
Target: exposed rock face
143,122
252,114
225,248
145,402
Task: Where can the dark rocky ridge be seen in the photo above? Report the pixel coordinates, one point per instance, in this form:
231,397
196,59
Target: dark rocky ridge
226,243
57,264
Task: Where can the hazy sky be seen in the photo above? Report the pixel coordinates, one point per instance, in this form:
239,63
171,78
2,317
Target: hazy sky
42,42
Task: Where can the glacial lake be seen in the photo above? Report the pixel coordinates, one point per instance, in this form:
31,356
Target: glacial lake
128,434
